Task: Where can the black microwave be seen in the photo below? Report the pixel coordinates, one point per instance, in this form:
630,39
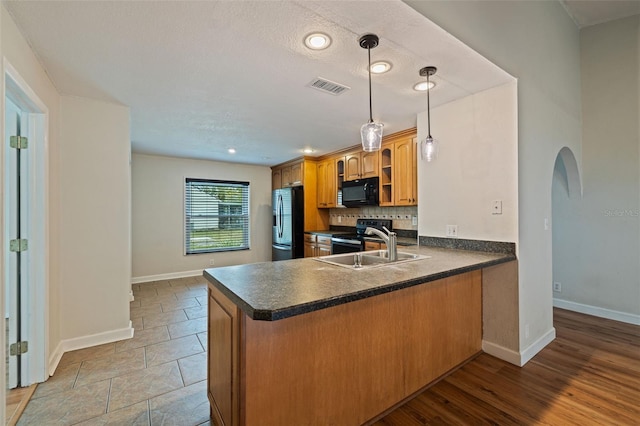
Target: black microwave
361,192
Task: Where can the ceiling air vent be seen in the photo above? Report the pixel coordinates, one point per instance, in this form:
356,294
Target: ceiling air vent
327,86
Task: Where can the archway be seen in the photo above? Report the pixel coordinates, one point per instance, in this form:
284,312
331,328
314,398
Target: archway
566,173
566,188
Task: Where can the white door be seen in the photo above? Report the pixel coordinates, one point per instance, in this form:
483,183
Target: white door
17,262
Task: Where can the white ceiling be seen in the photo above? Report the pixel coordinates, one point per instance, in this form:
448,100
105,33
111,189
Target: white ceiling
592,12
204,76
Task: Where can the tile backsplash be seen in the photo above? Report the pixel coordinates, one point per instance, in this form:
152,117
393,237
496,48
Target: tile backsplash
403,217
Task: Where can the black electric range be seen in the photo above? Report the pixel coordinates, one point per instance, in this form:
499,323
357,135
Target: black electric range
350,243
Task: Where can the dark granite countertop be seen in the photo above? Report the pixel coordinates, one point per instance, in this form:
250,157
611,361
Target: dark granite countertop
271,291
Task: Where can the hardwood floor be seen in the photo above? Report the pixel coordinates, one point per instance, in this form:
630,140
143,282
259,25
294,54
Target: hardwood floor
589,375
16,401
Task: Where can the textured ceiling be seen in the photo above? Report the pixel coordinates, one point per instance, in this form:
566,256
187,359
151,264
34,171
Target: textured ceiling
203,76
592,12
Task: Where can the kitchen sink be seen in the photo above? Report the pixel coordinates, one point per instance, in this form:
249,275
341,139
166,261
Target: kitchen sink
383,254
368,259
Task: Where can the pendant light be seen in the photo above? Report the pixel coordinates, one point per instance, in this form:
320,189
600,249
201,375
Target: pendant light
370,132
429,146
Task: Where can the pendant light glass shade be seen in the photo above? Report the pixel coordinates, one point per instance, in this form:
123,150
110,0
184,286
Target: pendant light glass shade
429,149
429,146
370,132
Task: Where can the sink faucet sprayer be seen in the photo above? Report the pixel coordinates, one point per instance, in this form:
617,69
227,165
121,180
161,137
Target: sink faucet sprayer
390,241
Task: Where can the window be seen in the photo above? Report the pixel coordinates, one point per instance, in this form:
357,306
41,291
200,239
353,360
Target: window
216,215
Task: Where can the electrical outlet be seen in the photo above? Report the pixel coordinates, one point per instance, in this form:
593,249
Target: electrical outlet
414,220
212,262
339,218
452,231
496,207
557,287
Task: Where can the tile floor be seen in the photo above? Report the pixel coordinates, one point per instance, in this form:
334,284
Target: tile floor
156,378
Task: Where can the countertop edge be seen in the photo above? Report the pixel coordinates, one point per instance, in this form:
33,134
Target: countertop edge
274,315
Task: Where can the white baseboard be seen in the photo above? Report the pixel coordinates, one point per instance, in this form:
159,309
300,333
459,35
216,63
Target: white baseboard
172,275
501,352
54,359
519,358
86,342
537,346
597,312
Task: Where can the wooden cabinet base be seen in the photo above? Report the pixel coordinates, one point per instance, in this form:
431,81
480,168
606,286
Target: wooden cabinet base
223,362
347,364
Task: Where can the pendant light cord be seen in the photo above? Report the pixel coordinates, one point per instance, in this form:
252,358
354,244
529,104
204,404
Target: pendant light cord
428,108
369,68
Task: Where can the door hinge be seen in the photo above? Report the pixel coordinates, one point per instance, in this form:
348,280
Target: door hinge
19,348
18,142
18,245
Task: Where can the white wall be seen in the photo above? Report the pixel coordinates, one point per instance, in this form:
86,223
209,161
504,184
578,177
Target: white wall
596,243
95,218
477,163
538,43
158,215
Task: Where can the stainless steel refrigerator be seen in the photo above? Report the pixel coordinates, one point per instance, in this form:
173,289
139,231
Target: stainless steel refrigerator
288,223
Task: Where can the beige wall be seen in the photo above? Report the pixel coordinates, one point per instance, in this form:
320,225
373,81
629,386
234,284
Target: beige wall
158,215
477,163
18,54
596,238
88,242
539,44
95,217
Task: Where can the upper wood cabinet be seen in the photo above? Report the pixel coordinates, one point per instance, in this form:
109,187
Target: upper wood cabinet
405,174
361,165
386,196
276,179
292,175
327,180
398,170
287,176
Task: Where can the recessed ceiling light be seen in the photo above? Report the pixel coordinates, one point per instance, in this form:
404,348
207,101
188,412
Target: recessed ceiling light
308,150
317,41
231,151
422,86
380,67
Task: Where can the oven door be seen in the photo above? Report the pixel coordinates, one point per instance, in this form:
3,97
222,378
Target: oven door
341,245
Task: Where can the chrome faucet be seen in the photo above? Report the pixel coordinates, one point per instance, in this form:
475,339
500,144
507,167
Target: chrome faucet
390,240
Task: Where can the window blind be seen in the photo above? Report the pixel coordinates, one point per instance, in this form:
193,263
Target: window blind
216,215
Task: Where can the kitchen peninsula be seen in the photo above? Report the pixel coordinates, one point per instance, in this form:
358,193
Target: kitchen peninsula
305,342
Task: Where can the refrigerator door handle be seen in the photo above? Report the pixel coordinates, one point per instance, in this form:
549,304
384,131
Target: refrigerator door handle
282,247
280,209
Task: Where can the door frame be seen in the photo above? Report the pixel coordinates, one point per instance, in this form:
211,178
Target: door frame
36,294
